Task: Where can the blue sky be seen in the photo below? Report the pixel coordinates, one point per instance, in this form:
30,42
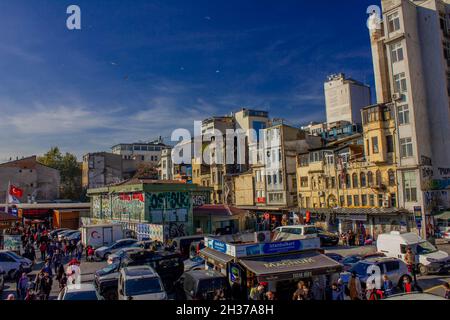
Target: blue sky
139,69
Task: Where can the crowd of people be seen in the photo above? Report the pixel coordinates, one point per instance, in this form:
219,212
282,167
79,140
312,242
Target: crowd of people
53,253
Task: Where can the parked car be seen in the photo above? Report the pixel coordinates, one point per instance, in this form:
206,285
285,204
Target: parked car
104,252
2,280
430,259
194,263
62,235
351,260
73,236
168,265
183,244
201,285
10,262
122,253
327,238
148,244
106,280
54,233
140,283
394,268
79,292
335,256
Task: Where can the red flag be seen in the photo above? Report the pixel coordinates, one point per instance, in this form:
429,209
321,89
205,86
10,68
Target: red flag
15,192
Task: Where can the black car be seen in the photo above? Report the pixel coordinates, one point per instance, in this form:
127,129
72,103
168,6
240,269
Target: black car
169,266
201,285
327,238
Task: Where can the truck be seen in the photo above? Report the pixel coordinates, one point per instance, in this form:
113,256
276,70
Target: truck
428,258
98,235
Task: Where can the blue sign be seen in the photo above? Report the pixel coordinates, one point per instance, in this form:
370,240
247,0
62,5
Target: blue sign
278,247
219,246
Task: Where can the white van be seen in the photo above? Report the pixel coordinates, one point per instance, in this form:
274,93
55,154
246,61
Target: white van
99,235
429,258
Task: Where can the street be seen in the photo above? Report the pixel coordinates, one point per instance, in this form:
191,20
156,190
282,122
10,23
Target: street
430,283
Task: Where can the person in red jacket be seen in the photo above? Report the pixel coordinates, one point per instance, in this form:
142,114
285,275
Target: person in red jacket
43,250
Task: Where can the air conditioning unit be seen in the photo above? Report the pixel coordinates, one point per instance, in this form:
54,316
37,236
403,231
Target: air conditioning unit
396,96
262,236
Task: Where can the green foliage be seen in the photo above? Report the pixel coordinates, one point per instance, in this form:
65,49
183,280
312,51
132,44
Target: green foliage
70,172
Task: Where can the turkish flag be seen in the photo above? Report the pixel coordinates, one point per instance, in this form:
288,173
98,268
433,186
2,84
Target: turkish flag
15,192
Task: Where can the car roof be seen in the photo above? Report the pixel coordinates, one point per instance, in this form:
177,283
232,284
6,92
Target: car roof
204,274
126,239
139,271
415,296
80,287
380,259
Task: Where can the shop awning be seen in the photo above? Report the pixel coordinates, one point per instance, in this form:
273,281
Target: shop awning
291,266
217,257
357,211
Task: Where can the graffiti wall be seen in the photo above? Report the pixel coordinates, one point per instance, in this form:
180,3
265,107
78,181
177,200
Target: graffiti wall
171,209
106,206
127,206
96,207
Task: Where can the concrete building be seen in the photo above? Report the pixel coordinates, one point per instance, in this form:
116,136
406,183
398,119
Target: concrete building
165,165
37,181
344,98
100,169
411,57
148,152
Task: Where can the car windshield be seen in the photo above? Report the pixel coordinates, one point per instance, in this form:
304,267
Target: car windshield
425,247
81,295
134,287
110,268
360,269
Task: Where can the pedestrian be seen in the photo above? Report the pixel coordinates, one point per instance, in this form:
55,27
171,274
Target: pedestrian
43,249
57,260
219,295
407,286
253,295
447,290
11,296
298,293
388,287
336,292
270,295
354,287
46,285
23,286
80,249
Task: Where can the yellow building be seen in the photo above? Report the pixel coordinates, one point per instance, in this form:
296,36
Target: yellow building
352,182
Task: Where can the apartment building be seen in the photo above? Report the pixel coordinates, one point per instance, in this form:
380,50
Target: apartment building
411,57
148,152
344,98
351,183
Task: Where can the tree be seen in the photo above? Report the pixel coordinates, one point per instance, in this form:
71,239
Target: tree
70,172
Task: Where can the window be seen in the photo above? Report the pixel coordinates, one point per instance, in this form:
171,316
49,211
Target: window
393,22
378,179
368,146
389,144
333,182
356,200
304,182
372,200
342,200
400,83
347,181
396,52
370,178
410,186
380,200
355,180
269,179
403,115
349,200
304,160
393,200
363,179
392,266
364,200
391,177
375,145
275,178
164,164
406,147
280,175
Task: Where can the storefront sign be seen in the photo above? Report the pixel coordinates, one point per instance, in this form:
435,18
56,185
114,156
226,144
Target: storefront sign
219,246
279,247
290,262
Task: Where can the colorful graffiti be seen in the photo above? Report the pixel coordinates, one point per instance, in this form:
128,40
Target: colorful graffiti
174,229
106,206
127,206
168,200
96,207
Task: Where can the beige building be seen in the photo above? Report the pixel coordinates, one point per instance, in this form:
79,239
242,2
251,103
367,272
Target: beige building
352,182
37,181
100,169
